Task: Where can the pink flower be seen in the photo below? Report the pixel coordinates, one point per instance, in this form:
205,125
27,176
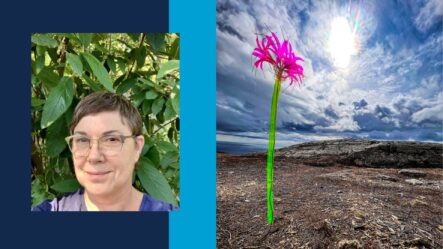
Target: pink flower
280,56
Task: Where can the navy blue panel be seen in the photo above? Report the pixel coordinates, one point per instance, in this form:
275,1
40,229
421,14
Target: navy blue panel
21,228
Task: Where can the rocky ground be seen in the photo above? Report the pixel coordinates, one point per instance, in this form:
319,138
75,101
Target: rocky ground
333,206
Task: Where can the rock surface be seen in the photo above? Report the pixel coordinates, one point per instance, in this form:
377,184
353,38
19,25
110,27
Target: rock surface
338,206
414,182
381,154
412,173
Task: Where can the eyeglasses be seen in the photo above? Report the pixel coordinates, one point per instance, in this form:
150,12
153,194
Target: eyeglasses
109,145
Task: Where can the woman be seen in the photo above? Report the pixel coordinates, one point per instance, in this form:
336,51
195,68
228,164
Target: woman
106,142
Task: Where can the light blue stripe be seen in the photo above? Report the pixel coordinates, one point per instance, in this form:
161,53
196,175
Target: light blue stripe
193,226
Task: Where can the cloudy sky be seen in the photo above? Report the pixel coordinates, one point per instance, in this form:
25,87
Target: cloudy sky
373,69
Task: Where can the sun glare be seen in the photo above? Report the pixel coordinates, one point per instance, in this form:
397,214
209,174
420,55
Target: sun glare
341,42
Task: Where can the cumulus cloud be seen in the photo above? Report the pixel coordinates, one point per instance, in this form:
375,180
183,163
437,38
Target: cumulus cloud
434,114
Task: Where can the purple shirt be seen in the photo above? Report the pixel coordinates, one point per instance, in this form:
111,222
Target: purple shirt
76,202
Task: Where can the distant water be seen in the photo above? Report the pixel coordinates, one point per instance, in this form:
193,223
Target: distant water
239,148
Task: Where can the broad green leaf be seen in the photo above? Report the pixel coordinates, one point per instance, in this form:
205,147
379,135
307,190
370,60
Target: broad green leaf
39,63
170,173
146,107
55,139
174,52
168,67
121,64
50,174
169,111
34,80
169,82
39,193
176,102
58,101
126,85
71,36
150,141
64,169
177,183
140,55
85,38
85,64
145,149
41,50
119,80
147,82
97,37
156,40
174,165
155,183
99,71
95,86
160,118
138,98
134,36
148,124
151,94
70,112
111,63
166,146
44,40
37,102
75,63
48,77
169,158
52,52
36,121
100,48
66,186
154,155
157,106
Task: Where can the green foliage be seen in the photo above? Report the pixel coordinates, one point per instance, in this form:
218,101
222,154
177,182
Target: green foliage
168,67
44,40
99,71
66,186
154,181
58,101
142,67
75,63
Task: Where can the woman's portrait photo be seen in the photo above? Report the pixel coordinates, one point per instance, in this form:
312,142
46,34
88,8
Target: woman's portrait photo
105,121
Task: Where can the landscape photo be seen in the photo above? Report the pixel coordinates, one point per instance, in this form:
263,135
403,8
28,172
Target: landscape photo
358,156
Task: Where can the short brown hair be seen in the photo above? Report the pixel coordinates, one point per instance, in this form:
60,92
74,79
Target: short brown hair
105,101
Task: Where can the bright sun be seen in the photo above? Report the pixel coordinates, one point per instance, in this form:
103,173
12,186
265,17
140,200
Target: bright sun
341,42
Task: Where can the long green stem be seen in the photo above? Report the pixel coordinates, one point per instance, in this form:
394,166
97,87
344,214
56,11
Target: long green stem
271,145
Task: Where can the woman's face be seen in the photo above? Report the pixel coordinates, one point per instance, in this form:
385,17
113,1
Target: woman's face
99,173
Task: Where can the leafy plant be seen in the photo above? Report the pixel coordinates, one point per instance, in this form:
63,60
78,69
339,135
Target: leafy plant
142,67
